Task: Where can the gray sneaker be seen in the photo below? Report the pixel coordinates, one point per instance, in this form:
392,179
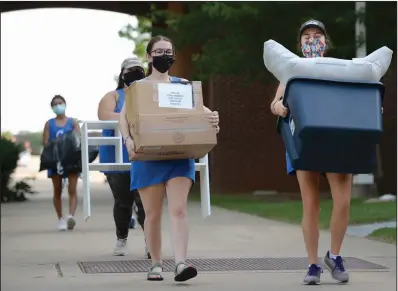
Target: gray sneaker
71,223
336,268
121,248
313,276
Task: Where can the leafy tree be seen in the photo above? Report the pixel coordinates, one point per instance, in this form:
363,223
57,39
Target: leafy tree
380,33
140,35
230,35
7,135
9,155
143,31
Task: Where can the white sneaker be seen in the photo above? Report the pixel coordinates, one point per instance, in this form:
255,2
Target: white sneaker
71,222
62,224
121,248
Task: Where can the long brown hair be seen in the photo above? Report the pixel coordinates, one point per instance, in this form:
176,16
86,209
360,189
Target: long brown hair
150,45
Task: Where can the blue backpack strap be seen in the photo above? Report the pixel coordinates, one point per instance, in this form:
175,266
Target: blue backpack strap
53,124
120,100
175,80
71,121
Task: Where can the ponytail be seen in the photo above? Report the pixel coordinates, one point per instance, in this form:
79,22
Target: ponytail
149,69
120,81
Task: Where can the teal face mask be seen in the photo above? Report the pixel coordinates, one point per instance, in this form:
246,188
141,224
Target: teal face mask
59,109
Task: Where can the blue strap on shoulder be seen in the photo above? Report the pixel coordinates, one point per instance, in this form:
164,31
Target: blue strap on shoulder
71,122
175,80
120,99
51,122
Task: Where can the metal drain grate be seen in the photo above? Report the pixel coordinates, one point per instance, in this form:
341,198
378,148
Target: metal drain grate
217,265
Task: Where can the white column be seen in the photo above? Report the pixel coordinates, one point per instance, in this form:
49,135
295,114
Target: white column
360,38
205,188
360,29
85,173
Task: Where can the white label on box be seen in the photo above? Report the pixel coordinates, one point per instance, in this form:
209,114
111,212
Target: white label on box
175,96
292,125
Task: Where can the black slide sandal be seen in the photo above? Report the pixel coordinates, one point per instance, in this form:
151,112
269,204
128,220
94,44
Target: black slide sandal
187,273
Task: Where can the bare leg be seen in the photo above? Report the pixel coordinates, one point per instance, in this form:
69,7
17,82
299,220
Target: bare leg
177,190
152,200
340,185
309,187
72,189
57,201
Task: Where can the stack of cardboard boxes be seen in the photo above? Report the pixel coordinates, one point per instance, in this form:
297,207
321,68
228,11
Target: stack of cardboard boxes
168,121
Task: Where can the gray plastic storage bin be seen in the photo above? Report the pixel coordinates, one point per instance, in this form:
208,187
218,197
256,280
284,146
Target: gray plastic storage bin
334,125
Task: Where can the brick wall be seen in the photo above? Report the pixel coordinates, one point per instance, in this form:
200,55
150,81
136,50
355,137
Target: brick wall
388,146
250,154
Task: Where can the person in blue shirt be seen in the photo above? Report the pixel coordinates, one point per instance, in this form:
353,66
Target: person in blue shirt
53,128
155,178
119,181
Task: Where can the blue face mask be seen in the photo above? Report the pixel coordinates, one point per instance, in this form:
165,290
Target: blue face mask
59,109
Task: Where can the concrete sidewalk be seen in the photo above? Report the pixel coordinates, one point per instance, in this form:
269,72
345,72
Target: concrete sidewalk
31,246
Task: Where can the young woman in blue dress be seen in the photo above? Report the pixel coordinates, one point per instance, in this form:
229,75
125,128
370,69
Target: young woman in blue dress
155,178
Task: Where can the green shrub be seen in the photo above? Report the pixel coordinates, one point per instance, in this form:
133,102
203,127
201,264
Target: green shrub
17,192
9,155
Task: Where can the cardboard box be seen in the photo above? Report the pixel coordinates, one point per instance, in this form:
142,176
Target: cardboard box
148,97
167,121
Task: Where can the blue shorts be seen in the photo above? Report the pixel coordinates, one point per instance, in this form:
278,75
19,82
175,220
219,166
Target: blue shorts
148,173
51,173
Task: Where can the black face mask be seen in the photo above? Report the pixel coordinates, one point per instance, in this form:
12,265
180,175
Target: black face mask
162,63
133,76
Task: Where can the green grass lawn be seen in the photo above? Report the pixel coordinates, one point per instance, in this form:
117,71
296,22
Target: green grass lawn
290,211
388,235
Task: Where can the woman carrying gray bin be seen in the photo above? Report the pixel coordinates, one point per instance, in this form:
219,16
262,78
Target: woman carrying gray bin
314,42
119,181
